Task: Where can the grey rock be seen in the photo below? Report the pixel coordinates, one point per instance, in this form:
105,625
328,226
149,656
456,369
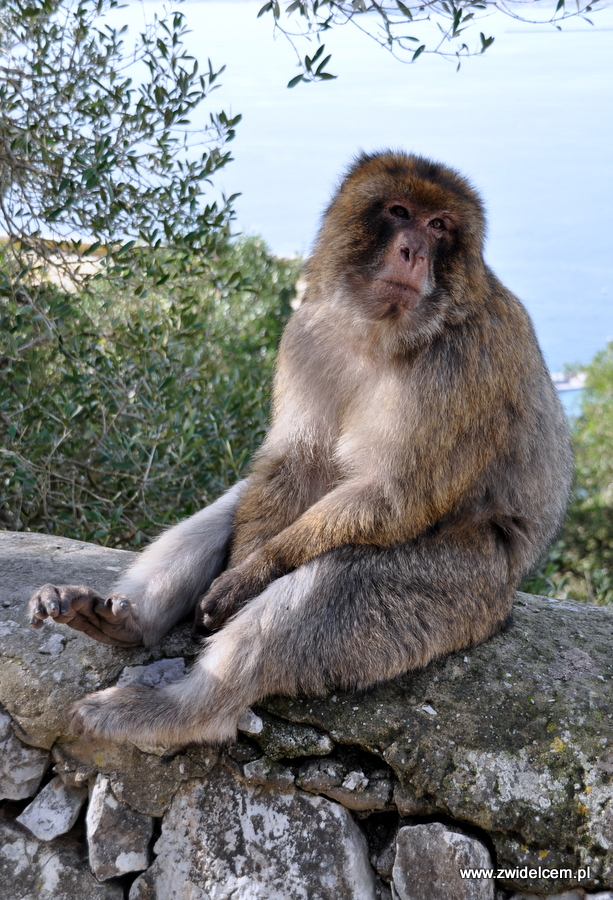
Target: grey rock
21,767
54,811
517,748
249,723
54,645
118,837
45,670
409,802
30,869
530,763
565,895
428,861
265,771
223,839
156,674
285,740
144,781
351,787
244,750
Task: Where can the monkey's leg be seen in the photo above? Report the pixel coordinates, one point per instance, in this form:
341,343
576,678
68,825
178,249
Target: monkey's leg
346,620
161,587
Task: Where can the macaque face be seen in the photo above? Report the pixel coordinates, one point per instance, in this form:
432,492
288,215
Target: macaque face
399,282
413,241
400,250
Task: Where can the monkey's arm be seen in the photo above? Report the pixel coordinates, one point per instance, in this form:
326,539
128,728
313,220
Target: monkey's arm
356,512
159,589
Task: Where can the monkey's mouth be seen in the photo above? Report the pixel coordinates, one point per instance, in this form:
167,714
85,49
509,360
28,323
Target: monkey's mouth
399,295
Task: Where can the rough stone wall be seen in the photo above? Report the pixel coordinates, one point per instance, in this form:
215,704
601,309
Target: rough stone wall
500,757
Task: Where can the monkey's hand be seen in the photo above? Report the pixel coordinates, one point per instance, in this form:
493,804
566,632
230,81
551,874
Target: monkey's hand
232,589
110,621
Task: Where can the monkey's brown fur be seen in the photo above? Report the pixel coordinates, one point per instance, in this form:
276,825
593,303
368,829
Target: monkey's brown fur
417,466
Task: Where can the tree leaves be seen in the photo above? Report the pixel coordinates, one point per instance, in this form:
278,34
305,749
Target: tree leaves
85,149
384,22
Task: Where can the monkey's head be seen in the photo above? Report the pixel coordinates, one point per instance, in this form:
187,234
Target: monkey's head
401,244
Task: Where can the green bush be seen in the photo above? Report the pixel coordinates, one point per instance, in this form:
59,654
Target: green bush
588,534
122,414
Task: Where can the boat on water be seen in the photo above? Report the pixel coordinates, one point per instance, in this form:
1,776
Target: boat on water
569,382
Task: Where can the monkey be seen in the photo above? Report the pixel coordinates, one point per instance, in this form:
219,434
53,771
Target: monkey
417,466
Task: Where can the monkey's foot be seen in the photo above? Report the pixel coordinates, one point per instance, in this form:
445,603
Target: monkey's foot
116,713
110,621
148,716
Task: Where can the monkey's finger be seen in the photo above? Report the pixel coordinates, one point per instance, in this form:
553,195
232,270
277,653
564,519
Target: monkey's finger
212,621
111,621
205,613
214,611
208,604
51,602
75,603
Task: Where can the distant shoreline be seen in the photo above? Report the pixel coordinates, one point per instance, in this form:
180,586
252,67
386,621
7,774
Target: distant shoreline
564,382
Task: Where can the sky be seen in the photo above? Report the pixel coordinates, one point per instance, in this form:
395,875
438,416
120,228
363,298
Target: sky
530,122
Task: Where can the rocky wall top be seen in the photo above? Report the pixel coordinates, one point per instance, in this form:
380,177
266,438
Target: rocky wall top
509,744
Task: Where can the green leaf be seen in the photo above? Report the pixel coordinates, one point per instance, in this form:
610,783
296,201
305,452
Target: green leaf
485,42
404,10
323,64
318,53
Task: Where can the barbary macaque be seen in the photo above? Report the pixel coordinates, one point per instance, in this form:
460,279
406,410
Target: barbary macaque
416,468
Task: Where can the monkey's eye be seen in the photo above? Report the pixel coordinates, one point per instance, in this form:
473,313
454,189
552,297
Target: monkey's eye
438,224
400,212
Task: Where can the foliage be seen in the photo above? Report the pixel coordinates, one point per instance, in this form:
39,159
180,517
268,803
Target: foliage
580,565
588,536
136,353
120,415
435,26
96,151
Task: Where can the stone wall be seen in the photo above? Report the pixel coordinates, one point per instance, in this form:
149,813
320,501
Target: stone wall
496,758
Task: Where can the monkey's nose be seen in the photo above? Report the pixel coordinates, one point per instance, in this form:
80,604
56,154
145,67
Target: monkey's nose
413,255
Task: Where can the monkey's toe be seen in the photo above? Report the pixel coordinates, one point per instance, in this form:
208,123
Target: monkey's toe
75,717
45,603
114,609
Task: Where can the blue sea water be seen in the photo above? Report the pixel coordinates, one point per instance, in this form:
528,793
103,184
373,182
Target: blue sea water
571,401
530,122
